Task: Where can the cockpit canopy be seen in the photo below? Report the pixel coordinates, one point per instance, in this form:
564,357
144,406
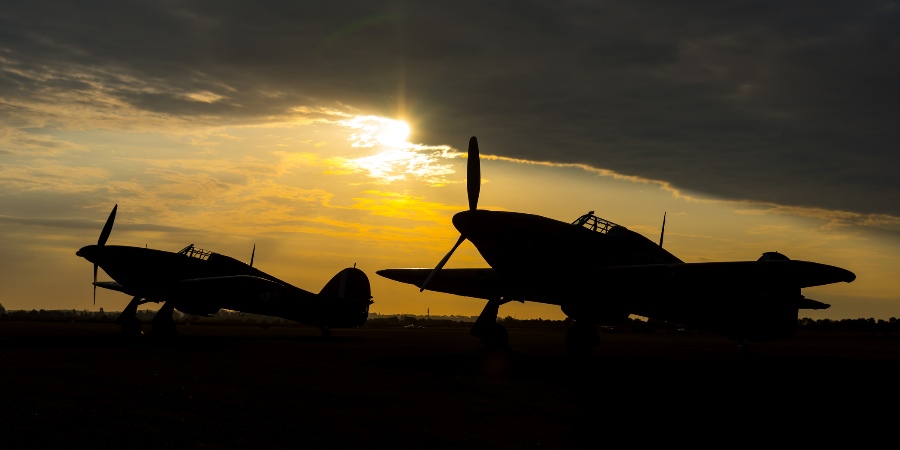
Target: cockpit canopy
594,223
194,252
773,256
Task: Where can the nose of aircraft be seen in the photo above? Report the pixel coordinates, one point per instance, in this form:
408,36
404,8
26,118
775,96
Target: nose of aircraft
467,222
482,223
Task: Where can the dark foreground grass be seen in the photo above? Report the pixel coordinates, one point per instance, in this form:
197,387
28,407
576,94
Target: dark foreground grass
81,385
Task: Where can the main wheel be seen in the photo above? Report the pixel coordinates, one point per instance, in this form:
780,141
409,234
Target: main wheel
495,337
582,338
131,326
163,323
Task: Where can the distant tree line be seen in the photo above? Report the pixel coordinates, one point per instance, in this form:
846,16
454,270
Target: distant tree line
869,325
73,315
866,325
637,325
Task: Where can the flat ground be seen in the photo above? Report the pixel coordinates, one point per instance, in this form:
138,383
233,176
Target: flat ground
82,385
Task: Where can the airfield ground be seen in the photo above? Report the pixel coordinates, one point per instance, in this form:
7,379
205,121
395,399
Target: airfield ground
82,385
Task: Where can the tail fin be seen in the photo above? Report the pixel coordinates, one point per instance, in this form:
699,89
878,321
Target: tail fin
350,283
346,300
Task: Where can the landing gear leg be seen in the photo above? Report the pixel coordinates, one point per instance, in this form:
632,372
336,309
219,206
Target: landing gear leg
582,338
492,334
131,325
163,322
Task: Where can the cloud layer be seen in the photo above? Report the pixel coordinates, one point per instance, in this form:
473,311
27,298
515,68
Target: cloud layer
790,103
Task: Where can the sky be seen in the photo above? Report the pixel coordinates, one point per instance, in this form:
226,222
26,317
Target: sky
329,134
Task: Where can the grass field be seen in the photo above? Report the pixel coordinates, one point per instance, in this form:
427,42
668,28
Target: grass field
82,385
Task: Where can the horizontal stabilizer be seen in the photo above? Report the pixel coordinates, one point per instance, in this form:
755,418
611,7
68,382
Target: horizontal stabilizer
808,303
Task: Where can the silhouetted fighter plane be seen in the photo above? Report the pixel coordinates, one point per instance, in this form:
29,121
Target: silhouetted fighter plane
201,283
599,273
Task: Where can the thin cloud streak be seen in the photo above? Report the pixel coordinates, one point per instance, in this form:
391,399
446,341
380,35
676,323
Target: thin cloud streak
835,219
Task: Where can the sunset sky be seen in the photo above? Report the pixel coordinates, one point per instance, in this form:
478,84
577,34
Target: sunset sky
330,134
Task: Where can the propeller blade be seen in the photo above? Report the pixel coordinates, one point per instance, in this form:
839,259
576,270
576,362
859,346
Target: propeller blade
95,283
252,254
473,187
104,235
441,264
473,174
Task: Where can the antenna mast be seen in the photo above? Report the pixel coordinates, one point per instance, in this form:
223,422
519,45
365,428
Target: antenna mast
663,232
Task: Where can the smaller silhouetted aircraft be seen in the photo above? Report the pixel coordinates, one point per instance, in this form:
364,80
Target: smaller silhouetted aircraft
600,273
199,282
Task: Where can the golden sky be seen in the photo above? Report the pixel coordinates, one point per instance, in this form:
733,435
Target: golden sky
318,195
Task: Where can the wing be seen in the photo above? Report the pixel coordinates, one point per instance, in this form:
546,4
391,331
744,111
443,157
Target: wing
716,285
746,300
479,283
226,286
235,286
731,275
651,280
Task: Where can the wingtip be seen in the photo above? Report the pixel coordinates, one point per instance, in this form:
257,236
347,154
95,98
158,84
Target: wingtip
847,276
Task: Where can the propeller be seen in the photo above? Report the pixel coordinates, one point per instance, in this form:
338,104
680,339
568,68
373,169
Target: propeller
252,254
473,172
104,236
473,187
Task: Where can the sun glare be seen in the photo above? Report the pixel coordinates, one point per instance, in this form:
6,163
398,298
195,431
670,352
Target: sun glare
371,131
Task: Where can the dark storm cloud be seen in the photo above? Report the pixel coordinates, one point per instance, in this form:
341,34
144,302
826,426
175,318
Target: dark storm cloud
76,224
787,102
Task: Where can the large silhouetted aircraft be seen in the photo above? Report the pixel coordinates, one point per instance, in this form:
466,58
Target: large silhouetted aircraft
199,282
600,273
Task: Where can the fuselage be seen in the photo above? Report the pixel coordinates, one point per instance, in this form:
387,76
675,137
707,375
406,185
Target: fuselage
202,283
605,275
143,269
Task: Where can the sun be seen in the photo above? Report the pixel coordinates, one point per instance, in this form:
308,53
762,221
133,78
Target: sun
393,133
391,157
371,131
